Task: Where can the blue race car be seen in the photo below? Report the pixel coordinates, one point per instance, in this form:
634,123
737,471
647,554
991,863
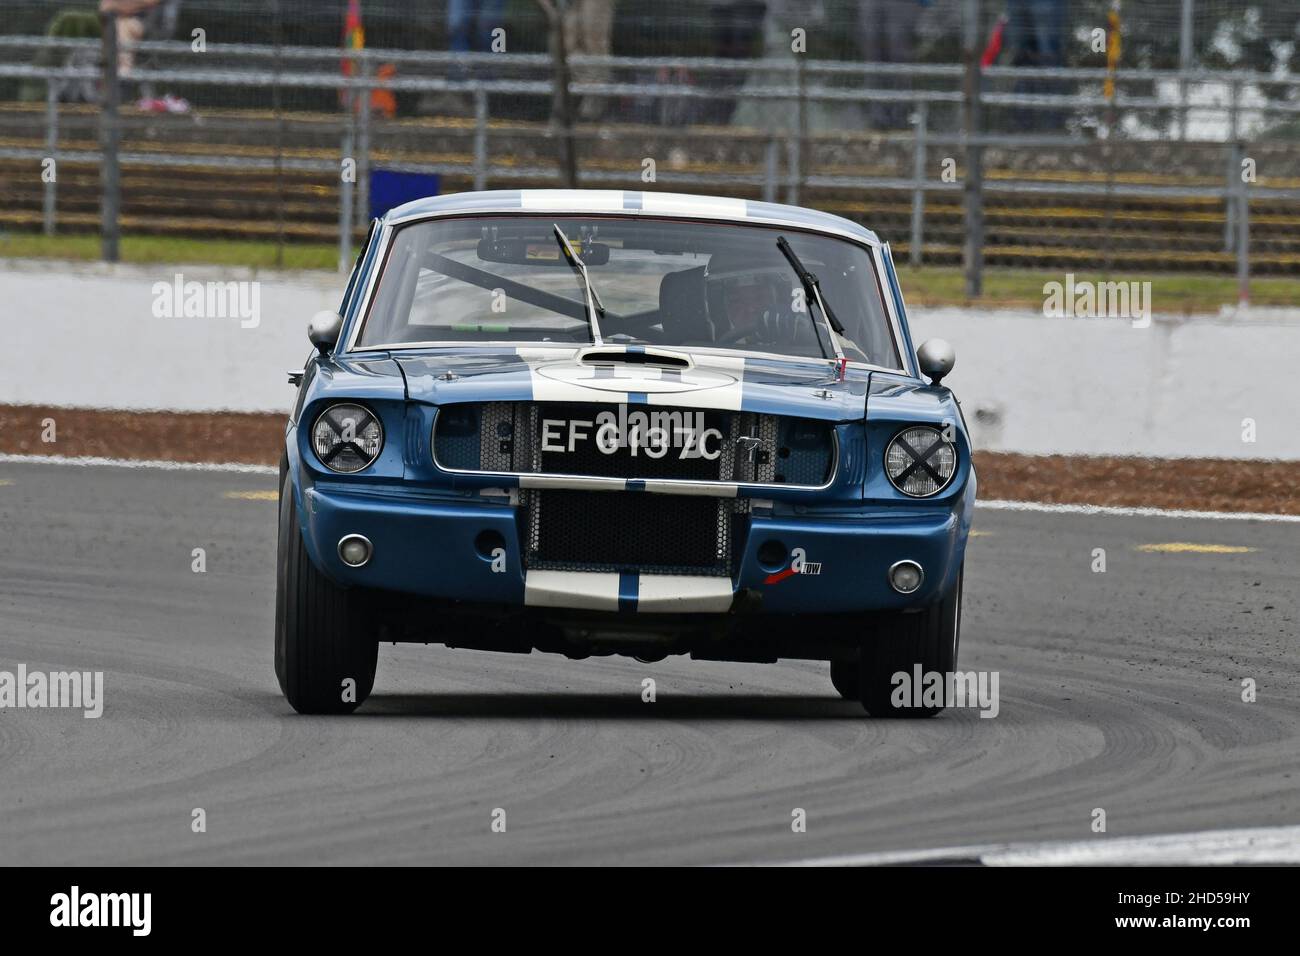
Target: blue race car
607,422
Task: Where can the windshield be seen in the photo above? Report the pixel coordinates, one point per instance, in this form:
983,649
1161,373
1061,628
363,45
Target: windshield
667,283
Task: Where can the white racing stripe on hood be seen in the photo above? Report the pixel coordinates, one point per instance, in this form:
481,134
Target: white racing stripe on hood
552,388
652,381
727,396
589,590
556,375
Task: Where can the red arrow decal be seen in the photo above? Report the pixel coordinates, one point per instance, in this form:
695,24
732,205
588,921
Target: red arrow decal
780,576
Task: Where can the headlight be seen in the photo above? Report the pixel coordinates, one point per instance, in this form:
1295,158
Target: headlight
919,462
347,438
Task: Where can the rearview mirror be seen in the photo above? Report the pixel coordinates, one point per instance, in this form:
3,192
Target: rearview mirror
323,330
540,252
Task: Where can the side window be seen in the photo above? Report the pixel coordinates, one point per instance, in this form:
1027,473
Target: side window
356,270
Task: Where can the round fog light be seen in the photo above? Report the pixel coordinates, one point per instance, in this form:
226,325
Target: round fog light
354,549
906,576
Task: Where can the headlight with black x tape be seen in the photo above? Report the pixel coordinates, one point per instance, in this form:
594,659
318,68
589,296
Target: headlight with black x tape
347,438
920,461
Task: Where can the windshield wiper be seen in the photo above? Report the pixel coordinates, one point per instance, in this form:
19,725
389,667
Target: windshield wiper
812,290
594,306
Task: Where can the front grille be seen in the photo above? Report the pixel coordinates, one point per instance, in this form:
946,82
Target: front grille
627,531
629,462
513,438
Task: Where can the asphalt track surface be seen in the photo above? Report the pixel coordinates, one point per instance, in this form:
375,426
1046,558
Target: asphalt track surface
1118,690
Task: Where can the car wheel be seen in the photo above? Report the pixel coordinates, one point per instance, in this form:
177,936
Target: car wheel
844,677
899,643
322,637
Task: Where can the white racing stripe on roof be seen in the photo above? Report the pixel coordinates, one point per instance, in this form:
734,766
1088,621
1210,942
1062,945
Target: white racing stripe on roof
572,200
680,204
589,590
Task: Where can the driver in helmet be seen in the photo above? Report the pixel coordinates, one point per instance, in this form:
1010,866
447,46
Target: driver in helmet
750,299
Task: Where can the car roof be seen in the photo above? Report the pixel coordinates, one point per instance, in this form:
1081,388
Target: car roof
580,201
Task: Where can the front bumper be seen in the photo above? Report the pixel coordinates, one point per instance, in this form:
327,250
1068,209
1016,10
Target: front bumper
468,549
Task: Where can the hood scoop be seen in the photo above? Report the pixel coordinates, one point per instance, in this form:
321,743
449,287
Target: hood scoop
635,355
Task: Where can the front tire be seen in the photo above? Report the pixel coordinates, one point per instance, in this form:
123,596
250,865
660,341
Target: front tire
844,678
929,637
322,637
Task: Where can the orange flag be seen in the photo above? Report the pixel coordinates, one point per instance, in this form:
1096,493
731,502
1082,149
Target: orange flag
1112,49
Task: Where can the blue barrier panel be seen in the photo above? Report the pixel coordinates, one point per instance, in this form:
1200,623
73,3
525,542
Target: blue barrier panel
389,188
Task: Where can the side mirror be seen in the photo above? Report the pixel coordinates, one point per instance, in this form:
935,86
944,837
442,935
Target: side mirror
936,358
324,329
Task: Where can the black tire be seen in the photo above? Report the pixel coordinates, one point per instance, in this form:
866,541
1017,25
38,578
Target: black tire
322,638
929,637
844,677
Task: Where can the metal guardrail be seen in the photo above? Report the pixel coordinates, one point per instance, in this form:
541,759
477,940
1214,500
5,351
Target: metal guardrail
796,81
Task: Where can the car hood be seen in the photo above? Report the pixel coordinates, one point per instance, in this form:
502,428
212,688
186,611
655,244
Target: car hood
672,377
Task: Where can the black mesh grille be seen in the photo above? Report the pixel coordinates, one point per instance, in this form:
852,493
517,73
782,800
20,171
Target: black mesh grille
508,437
679,461
627,531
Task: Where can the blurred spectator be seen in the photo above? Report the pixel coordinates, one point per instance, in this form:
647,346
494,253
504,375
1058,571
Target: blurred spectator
142,20
470,24
469,30
588,31
887,34
130,28
1034,37
736,31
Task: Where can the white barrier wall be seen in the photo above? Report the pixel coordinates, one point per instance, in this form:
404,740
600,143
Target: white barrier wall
1185,386
88,336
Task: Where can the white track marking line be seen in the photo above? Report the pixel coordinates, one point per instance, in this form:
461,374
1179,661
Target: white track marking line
1133,512
1188,547
142,463
1214,847
989,505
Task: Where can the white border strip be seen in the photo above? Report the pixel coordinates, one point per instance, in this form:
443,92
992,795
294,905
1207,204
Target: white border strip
235,468
1133,512
91,462
1257,845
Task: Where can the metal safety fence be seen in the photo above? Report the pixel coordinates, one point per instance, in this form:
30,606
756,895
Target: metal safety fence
1191,148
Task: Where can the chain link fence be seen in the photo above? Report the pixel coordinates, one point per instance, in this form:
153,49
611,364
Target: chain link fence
265,136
